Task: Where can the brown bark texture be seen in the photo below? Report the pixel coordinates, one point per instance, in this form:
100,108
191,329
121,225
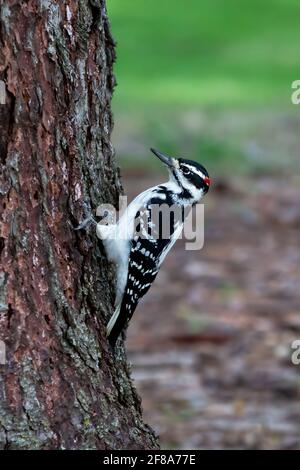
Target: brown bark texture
60,387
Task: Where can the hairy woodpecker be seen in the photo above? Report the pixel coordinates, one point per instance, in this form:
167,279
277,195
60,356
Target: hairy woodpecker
137,244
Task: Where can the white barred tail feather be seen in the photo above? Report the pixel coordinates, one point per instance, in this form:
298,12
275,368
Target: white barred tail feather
113,320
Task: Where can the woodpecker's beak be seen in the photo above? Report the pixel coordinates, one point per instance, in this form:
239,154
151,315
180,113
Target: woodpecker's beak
169,161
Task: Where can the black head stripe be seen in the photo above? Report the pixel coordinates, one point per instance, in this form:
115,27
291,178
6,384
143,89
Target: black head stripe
194,173
196,180
176,178
196,165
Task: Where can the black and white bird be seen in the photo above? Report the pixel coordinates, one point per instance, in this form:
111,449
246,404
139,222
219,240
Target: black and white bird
137,244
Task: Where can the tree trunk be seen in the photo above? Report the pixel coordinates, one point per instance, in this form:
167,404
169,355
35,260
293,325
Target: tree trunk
61,386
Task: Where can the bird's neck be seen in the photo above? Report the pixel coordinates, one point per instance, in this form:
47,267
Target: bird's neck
185,195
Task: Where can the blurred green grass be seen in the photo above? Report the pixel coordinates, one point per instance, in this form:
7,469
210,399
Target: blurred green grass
183,66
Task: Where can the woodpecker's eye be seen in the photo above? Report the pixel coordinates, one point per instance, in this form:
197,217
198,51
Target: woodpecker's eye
186,171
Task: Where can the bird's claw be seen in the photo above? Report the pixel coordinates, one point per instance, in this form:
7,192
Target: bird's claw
86,222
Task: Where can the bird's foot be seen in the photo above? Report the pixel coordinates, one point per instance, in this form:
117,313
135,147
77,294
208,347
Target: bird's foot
89,220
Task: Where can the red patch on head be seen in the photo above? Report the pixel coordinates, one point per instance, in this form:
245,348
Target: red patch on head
207,180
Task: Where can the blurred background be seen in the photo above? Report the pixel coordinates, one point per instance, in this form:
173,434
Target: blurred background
210,344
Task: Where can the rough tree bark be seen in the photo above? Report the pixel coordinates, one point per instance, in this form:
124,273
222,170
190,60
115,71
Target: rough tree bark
61,387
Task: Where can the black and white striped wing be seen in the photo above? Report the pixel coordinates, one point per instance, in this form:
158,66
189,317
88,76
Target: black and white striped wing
147,251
